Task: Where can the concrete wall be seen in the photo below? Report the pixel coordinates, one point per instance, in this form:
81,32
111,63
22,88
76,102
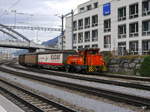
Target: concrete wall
125,66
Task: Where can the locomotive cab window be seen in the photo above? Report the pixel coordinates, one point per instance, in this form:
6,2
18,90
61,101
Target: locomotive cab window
92,52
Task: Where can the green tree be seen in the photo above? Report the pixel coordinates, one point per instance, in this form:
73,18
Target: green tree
145,67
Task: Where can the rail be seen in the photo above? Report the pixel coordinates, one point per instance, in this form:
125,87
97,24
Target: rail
109,94
69,75
29,101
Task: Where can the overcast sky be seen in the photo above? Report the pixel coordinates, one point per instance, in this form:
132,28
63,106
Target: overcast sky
36,13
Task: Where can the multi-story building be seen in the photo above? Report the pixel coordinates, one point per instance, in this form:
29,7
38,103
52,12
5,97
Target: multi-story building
111,25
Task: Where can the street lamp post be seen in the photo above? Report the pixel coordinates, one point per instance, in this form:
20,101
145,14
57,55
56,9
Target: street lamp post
15,14
72,14
19,13
62,31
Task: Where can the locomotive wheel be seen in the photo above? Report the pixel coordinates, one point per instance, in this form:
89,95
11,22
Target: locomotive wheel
67,68
84,71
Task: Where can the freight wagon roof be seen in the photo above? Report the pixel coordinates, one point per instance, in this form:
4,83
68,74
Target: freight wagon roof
64,51
52,52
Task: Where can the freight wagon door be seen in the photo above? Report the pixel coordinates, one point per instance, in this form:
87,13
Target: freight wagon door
56,59
51,59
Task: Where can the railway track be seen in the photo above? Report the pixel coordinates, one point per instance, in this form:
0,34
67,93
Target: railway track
63,74
136,78
109,94
29,101
5,62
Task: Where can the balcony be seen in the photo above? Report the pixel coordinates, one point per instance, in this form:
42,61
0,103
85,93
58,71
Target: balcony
146,33
122,18
94,39
80,27
80,41
74,29
107,29
87,40
146,52
120,36
87,26
146,12
134,34
94,24
107,45
133,16
133,52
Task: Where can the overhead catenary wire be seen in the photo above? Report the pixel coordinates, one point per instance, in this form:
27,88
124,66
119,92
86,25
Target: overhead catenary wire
13,5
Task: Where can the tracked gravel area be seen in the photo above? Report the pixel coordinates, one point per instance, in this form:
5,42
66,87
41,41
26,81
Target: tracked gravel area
95,76
105,78
89,103
136,92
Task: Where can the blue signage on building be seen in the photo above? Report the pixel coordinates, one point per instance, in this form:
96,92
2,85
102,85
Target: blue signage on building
107,9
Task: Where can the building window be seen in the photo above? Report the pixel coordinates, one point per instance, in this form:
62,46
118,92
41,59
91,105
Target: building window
74,47
107,25
107,41
94,46
133,29
80,47
146,28
122,31
96,5
133,11
80,37
95,35
87,36
87,22
94,20
87,46
146,47
122,48
89,7
122,14
74,38
146,7
82,9
133,47
80,24
74,25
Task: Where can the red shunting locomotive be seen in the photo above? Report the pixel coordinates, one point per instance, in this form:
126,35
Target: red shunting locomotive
88,60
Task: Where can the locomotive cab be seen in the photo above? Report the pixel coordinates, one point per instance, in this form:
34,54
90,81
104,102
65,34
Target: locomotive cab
87,60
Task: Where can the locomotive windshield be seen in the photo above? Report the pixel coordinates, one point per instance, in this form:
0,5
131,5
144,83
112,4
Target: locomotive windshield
92,51
88,51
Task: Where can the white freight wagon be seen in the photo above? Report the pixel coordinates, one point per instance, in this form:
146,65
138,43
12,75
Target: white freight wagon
54,59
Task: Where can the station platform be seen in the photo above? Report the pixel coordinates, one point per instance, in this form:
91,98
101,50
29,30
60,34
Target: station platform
8,106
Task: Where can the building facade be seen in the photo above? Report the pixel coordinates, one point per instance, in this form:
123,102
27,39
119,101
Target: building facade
122,26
